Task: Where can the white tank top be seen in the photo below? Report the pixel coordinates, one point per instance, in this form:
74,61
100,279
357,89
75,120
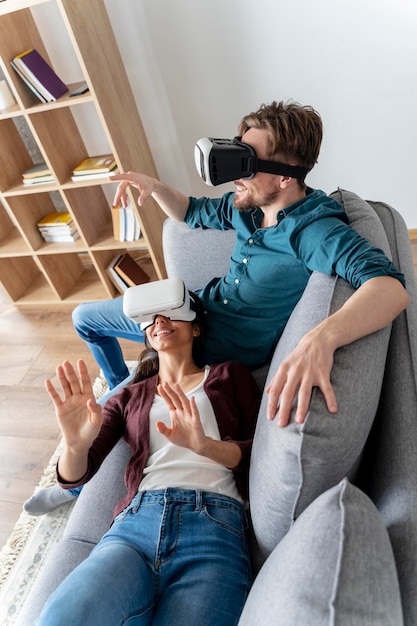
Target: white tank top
169,465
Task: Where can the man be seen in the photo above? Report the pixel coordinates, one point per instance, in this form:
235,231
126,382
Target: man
284,231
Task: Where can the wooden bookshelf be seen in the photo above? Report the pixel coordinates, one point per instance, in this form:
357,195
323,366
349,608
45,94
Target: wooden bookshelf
32,271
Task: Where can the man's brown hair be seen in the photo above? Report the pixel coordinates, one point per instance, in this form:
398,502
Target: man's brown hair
295,131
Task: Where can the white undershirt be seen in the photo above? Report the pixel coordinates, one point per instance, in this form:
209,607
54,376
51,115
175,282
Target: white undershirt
169,465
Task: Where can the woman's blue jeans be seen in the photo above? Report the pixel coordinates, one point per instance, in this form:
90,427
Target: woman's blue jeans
99,324
172,558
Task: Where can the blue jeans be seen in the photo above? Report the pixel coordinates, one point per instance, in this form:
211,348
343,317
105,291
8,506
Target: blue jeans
98,324
172,558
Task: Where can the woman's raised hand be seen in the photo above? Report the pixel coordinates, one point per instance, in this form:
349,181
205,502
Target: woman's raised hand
186,429
78,414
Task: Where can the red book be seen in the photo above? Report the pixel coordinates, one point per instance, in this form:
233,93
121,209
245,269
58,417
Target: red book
37,70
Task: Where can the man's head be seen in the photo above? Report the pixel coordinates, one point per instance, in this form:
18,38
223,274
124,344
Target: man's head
294,132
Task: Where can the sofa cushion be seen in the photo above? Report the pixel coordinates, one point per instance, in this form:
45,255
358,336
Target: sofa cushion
196,255
291,466
335,566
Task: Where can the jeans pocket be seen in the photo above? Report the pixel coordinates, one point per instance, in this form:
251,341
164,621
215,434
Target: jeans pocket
131,508
228,518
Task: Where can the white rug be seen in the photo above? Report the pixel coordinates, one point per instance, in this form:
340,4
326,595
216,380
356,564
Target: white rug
32,540
27,549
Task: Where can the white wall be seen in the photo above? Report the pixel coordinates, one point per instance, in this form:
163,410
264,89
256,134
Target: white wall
197,66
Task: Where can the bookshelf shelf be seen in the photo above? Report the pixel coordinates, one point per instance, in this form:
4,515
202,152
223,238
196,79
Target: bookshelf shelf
32,271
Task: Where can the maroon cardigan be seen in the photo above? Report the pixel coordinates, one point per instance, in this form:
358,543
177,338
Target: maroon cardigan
235,398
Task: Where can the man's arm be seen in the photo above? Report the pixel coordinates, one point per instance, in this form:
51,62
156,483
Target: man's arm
172,202
372,307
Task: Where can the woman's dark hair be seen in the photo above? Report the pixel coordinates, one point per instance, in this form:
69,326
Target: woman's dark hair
148,363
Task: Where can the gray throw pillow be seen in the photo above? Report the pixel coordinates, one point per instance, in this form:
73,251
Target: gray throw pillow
335,566
291,466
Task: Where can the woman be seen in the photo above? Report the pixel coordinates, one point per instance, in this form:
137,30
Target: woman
176,552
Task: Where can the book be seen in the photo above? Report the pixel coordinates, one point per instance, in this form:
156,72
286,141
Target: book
38,169
79,178
118,220
132,226
126,226
58,230
60,238
117,281
55,218
101,164
38,173
39,180
58,227
131,273
40,74
27,82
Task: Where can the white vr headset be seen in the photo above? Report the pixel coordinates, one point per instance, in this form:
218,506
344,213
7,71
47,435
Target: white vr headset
168,297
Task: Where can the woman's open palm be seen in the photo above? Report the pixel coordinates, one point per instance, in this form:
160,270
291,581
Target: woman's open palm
78,414
186,429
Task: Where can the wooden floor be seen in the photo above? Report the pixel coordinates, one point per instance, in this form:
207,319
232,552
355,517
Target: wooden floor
32,343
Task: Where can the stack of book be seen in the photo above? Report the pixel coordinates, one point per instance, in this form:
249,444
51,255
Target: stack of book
58,227
126,225
95,167
124,272
39,76
38,174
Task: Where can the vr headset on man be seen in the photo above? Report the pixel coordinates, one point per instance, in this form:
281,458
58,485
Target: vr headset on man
220,161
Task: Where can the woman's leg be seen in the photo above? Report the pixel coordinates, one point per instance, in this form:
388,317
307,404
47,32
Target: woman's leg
47,499
204,569
173,557
112,586
115,584
99,324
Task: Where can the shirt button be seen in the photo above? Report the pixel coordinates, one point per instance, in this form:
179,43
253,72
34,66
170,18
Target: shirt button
237,281
244,260
225,301
250,240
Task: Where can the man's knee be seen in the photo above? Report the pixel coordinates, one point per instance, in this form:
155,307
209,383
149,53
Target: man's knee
79,317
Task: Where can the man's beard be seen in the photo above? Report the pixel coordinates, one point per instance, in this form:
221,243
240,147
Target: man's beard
252,201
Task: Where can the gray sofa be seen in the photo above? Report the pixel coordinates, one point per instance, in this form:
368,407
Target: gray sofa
333,502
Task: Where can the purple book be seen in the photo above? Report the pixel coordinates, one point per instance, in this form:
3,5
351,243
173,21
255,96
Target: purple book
36,65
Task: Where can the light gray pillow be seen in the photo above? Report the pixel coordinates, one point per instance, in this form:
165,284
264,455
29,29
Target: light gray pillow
291,466
335,566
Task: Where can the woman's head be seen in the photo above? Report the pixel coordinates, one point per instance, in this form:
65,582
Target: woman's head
164,334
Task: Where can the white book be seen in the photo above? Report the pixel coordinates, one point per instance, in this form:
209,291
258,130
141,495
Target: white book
79,178
117,280
132,226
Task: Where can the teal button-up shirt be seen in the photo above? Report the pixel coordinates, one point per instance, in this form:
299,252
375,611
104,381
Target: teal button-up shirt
248,308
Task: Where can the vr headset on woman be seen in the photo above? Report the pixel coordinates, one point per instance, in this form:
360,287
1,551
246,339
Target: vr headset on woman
168,297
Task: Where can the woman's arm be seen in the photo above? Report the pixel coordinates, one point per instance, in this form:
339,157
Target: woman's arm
187,431
79,418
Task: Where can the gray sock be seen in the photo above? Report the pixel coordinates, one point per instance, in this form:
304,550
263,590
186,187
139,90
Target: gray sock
47,499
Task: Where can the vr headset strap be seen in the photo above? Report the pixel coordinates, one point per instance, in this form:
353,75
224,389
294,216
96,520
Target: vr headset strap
282,169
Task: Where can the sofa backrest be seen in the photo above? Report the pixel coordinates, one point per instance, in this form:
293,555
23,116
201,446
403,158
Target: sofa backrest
197,255
373,395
